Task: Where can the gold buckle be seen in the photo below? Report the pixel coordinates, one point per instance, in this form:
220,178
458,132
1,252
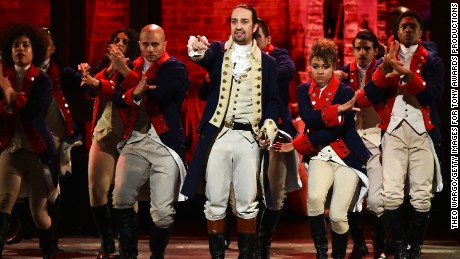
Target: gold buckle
229,124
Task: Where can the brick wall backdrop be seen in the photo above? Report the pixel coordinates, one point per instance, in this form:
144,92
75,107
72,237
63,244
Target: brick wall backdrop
103,17
31,11
182,18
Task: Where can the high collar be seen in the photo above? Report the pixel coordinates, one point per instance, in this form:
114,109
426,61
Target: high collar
21,70
242,49
256,52
410,50
269,49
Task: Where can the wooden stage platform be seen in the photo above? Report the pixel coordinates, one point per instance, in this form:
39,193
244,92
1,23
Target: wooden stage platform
292,240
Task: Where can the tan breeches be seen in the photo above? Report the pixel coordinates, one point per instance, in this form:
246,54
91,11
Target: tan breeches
322,175
405,152
19,166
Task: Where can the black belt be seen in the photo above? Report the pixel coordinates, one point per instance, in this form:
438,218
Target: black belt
238,126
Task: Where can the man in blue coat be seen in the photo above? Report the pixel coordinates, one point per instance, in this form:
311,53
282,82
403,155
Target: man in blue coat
406,87
283,170
238,121
151,89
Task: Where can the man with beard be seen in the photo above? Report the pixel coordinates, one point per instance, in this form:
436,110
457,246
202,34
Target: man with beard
152,89
238,121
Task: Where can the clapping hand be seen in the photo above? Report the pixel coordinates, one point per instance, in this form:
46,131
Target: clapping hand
9,94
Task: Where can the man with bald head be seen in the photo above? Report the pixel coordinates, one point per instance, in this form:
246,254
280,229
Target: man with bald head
150,90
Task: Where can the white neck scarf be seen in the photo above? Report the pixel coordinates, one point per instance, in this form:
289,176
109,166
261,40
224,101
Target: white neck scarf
240,59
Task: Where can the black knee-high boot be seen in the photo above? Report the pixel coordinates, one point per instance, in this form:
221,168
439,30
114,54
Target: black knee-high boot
4,222
159,239
102,218
396,221
419,224
25,223
267,226
127,233
319,234
339,245
355,221
46,242
216,229
378,225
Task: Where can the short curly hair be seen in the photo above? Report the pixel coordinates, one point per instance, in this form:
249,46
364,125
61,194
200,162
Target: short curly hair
324,49
38,39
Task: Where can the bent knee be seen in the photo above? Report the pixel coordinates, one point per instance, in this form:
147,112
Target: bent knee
339,227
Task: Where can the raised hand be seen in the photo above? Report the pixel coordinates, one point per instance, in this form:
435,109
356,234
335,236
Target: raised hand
9,94
350,105
398,66
142,87
118,60
87,79
197,46
390,62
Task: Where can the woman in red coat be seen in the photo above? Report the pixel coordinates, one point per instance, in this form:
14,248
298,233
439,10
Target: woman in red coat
26,145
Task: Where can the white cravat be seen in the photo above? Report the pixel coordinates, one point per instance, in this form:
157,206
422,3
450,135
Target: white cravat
20,73
240,59
362,75
405,54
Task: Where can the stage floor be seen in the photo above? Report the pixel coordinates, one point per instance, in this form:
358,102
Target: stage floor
292,240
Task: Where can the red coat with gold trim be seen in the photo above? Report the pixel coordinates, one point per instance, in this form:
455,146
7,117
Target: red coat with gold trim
323,127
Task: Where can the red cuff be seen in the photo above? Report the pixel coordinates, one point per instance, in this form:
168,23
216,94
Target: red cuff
303,145
101,74
415,86
379,78
18,104
131,81
340,148
330,116
107,87
363,102
128,98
